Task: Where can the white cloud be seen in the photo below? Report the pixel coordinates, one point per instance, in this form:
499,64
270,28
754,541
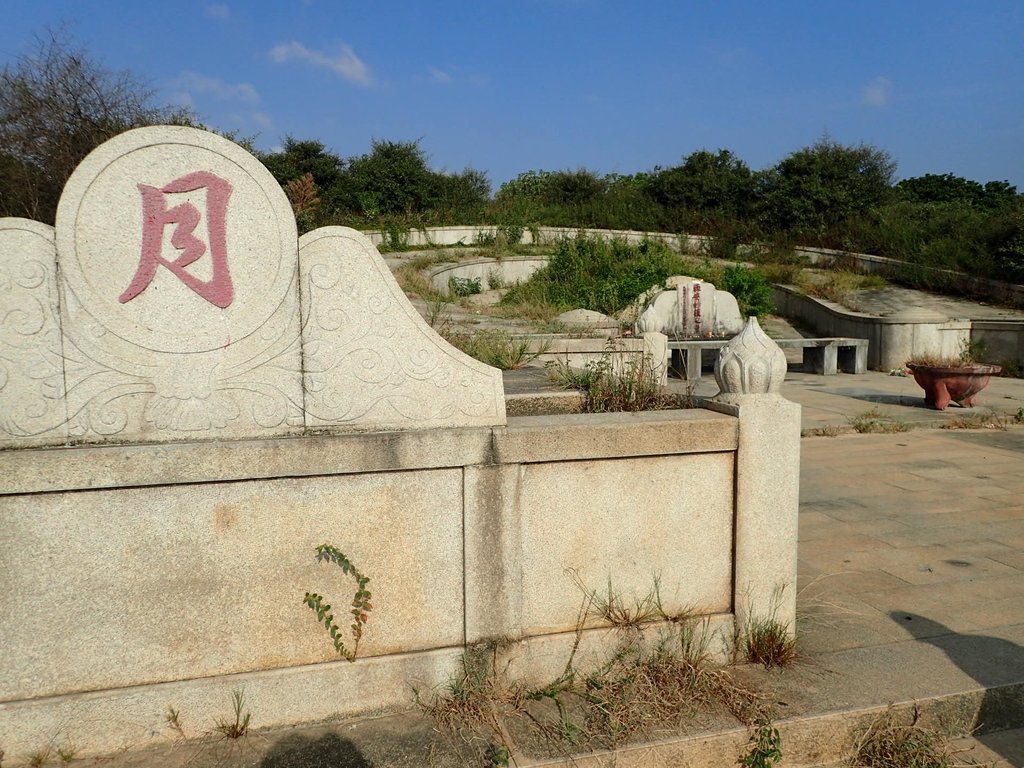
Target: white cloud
192,82
217,11
181,98
440,76
263,120
877,92
346,63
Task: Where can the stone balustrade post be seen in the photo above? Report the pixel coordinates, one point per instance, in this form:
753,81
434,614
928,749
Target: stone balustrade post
750,370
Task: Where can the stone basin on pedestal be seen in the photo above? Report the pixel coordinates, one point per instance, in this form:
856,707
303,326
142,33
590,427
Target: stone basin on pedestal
959,384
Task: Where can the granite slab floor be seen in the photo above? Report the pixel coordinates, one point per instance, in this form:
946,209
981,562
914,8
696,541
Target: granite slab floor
911,571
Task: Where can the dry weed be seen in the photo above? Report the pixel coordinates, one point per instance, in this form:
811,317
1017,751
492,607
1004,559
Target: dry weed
978,421
889,743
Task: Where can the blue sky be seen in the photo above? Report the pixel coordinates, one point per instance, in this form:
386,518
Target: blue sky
613,86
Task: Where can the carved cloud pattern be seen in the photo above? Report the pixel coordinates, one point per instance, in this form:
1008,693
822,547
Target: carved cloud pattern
370,361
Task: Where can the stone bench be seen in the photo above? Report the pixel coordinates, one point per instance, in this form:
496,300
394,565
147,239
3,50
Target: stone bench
826,356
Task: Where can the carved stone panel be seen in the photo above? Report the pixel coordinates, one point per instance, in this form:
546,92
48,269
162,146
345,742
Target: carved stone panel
369,359
31,367
178,255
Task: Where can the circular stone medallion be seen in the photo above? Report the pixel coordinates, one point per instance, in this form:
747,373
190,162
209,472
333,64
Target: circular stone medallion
176,239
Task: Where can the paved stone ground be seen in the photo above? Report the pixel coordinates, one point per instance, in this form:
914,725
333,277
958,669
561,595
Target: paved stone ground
892,298
912,541
834,403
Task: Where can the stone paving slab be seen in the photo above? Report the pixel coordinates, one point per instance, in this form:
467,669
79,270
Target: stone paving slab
893,298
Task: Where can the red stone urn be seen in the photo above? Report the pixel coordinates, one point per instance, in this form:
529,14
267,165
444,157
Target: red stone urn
959,384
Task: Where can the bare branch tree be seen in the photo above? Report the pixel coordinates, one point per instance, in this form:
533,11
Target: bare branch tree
56,105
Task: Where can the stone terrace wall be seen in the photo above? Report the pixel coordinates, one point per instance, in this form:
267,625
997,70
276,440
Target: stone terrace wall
893,339
140,576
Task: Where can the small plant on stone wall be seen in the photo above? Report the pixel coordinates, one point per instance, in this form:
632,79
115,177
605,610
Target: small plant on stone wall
495,280
484,238
361,605
607,387
765,748
394,237
173,719
239,727
766,640
655,678
496,348
513,233
888,741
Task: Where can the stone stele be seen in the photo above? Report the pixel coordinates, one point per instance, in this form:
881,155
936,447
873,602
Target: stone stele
690,308
178,256
370,360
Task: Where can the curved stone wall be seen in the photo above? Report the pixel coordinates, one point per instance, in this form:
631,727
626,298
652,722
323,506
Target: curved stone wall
892,340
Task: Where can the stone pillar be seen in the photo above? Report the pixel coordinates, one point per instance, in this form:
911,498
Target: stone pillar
657,353
750,370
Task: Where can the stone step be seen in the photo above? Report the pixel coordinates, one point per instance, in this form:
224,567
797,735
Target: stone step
829,739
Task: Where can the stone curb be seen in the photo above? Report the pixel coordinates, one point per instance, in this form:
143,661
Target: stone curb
816,740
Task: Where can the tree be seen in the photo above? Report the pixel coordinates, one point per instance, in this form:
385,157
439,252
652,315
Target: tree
298,157
57,105
940,188
462,194
392,179
822,187
573,188
710,187
947,188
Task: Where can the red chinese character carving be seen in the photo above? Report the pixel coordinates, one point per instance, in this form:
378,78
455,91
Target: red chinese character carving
155,216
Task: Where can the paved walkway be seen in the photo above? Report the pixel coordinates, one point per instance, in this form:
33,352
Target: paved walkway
836,403
892,298
911,564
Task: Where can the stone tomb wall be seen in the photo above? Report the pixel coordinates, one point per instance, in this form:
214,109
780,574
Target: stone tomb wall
135,577
185,423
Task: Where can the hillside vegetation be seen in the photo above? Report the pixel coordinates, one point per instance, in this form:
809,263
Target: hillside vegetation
57,104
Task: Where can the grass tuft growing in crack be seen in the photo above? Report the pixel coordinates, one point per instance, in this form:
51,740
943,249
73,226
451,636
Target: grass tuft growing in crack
874,421
766,640
239,727
889,743
656,677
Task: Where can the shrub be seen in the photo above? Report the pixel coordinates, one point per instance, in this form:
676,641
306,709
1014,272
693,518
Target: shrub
496,348
464,286
753,292
592,273
607,387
